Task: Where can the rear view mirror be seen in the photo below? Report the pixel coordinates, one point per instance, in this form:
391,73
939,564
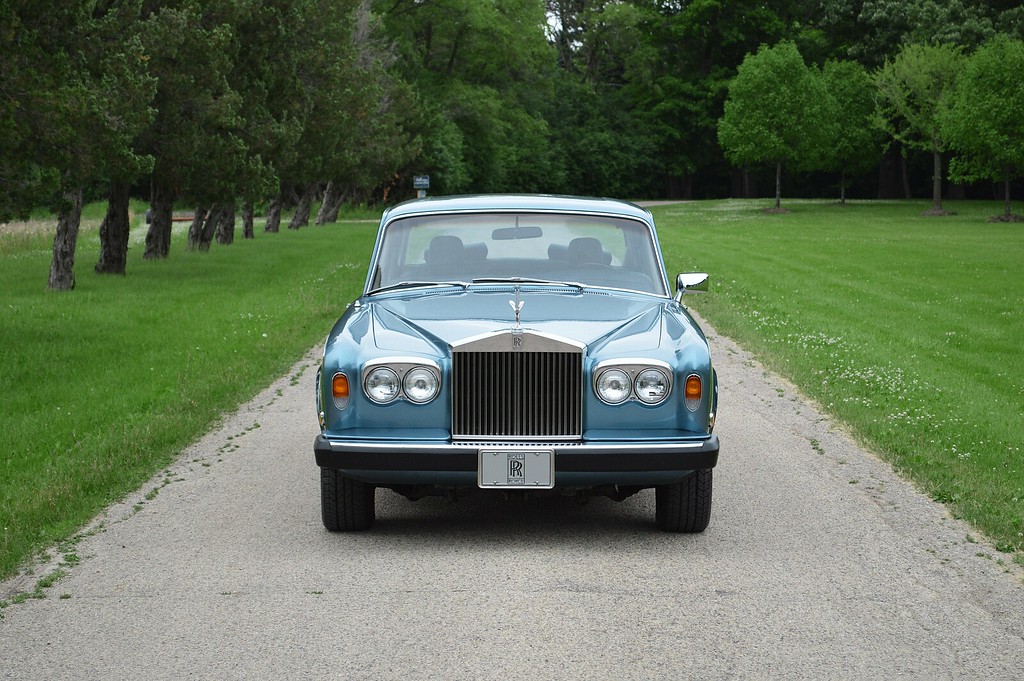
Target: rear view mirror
513,233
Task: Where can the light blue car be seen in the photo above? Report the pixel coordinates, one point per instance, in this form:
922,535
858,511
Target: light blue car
521,345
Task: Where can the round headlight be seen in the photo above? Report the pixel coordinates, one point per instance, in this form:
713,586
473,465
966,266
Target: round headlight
613,386
652,386
381,385
420,385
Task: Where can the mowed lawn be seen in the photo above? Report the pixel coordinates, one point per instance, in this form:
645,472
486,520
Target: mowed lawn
102,386
905,327
908,328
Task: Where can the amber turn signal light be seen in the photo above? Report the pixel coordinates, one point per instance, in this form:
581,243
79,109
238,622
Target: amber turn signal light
693,387
692,392
339,386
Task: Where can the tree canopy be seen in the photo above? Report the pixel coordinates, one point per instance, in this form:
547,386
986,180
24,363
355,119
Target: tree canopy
855,146
913,88
984,122
265,106
778,111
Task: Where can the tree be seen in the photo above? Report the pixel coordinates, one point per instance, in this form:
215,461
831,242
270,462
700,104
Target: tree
686,98
197,137
119,50
872,31
344,101
912,89
491,112
74,92
983,123
377,112
856,146
777,111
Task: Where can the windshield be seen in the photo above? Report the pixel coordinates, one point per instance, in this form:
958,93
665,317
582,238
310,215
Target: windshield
591,250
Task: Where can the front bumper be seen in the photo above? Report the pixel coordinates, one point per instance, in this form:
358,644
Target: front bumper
576,464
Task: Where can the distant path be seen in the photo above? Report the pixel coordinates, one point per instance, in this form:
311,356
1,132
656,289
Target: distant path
665,202
819,563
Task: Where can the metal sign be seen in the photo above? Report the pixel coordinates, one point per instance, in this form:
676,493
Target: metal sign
421,181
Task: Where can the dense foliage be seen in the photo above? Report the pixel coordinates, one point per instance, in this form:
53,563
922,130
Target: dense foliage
262,105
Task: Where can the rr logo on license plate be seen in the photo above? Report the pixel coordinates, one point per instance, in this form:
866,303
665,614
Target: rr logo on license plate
508,468
517,469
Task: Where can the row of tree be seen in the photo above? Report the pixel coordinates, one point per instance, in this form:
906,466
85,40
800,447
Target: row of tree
216,103
840,118
258,105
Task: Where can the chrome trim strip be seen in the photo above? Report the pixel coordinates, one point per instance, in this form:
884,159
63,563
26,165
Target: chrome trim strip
463,446
501,341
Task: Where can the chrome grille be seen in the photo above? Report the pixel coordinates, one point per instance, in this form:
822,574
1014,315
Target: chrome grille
498,395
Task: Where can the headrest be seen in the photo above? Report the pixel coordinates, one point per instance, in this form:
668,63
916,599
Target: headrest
588,250
444,250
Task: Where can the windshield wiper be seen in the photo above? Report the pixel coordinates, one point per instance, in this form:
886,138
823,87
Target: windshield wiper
526,280
419,284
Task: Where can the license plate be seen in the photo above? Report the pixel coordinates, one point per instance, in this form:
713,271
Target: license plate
516,468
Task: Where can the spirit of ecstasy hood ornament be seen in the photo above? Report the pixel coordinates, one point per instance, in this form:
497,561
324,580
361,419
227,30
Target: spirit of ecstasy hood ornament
517,307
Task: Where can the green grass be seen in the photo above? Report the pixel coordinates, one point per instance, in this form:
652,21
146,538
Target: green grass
102,386
907,328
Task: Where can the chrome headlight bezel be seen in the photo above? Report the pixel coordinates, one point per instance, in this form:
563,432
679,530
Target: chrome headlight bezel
612,379
378,377
403,371
642,386
632,370
418,379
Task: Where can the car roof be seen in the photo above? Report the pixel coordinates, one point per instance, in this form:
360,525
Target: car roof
517,202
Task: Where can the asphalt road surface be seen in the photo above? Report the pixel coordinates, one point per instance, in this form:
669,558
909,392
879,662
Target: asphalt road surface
819,563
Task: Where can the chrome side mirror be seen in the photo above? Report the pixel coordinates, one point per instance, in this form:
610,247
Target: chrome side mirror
691,281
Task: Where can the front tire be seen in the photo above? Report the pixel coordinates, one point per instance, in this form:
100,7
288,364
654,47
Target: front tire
684,506
345,504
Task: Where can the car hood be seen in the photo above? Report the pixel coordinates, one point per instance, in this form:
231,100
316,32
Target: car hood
612,323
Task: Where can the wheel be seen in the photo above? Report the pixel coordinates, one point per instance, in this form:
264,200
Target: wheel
345,504
684,506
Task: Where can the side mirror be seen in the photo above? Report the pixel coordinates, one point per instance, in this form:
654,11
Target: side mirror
691,281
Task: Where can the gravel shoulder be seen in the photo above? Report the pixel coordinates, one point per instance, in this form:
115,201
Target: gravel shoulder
819,562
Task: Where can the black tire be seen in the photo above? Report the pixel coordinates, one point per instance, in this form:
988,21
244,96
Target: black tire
684,506
345,504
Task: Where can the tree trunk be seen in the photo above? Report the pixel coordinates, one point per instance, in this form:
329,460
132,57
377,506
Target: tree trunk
69,219
226,225
195,230
778,185
114,231
890,183
937,182
301,216
274,214
325,207
905,175
334,197
158,238
842,187
736,177
1006,196
247,221
210,226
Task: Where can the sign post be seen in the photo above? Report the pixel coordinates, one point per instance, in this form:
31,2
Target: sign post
421,183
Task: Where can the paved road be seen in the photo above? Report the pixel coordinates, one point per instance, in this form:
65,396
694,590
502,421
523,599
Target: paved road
819,563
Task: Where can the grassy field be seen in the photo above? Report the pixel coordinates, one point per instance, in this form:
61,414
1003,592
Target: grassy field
101,387
905,327
908,328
